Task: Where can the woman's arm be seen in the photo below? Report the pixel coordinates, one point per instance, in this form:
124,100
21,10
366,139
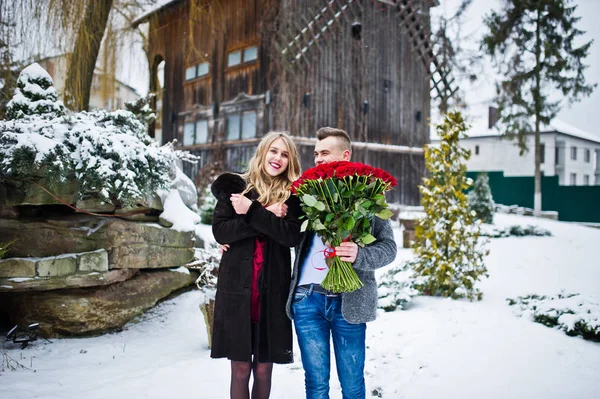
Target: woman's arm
228,226
285,231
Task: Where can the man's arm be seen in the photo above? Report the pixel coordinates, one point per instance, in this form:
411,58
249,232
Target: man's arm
380,253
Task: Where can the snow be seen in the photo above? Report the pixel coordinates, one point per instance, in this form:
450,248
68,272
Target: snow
175,211
436,348
35,72
479,128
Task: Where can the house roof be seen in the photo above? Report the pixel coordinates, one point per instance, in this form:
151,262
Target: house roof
479,129
160,6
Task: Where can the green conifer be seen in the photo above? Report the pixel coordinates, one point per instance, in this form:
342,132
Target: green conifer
449,256
480,199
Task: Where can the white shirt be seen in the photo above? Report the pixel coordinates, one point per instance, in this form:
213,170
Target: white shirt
314,269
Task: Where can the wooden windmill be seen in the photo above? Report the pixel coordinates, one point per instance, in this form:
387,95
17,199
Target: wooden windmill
302,41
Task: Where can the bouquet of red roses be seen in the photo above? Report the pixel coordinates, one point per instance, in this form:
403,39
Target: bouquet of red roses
340,199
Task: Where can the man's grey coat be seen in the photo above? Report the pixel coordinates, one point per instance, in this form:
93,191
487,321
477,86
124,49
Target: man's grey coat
359,306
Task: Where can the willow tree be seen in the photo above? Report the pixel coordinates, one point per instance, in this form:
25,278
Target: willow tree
85,54
87,31
533,44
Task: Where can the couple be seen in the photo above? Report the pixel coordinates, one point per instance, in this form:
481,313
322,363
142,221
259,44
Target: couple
257,221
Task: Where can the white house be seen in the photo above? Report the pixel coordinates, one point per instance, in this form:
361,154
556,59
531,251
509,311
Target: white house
57,68
567,152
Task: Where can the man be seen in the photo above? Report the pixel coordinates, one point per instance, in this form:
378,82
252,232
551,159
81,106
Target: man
319,315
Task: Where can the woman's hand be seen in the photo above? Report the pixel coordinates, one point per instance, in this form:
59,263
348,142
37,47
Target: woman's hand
240,203
278,209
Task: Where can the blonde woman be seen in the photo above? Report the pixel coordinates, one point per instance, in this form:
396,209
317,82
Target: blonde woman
257,219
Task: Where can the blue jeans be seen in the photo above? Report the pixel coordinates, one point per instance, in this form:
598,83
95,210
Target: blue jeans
316,318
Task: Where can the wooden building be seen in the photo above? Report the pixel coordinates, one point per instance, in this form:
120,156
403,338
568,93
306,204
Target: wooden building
236,69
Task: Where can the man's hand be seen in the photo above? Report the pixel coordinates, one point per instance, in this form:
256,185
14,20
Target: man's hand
278,209
240,203
347,251
224,248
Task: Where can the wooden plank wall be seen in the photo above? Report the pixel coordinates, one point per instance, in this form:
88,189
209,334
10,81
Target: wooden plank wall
379,68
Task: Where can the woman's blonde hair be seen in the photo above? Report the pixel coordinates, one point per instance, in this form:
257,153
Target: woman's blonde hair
272,189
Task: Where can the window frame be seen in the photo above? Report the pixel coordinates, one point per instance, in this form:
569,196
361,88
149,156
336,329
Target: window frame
196,66
573,153
194,132
243,52
477,149
587,155
240,117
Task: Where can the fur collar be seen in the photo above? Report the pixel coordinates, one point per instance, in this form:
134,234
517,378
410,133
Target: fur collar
227,184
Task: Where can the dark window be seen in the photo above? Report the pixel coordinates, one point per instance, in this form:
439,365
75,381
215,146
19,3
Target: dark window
587,155
574,153
476,150
542,153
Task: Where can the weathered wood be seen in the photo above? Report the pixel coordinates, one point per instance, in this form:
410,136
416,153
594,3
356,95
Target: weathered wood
338,71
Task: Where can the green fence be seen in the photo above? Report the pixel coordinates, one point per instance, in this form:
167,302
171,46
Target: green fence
573,203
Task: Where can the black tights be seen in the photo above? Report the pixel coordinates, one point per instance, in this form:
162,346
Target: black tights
240,378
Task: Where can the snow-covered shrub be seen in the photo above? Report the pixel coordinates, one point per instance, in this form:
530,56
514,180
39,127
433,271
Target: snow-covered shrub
480,199
206,261
571,313
208,206
142,110
109,153
515,230
449,253
35,95
395,289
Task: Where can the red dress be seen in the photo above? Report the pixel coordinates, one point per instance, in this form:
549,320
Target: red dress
257,264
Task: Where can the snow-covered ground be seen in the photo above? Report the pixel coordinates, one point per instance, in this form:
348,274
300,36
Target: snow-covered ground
436,348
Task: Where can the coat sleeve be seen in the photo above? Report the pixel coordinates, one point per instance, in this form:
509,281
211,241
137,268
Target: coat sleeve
380,253
227,226
285,231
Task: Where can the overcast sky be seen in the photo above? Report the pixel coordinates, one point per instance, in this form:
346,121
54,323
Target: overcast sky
479,95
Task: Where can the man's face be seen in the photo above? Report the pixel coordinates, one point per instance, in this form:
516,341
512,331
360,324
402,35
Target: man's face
330,149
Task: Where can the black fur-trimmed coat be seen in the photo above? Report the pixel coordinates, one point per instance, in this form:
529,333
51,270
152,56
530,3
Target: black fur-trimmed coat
232,333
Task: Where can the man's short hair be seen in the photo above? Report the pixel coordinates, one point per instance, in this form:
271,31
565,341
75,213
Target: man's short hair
340,134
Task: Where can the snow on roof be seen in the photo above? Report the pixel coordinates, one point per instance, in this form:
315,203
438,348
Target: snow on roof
479,128
160,5
563,127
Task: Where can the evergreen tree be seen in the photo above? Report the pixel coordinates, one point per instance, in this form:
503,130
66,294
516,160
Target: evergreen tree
533,44
480,199
449,257
142,110
35,95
